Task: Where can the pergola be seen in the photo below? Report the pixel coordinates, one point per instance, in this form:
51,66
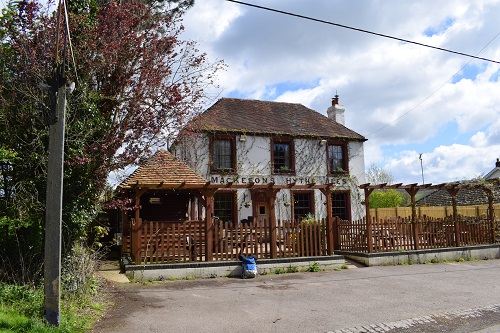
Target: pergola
206,199
165,172
412,190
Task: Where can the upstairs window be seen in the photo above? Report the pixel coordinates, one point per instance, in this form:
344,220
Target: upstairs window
282,157
337,158
223,155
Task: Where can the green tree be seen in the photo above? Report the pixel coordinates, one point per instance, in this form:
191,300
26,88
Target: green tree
137,84
386,198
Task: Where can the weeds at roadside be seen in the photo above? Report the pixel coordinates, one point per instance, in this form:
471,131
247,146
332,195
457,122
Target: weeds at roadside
279,270
21,307
314,267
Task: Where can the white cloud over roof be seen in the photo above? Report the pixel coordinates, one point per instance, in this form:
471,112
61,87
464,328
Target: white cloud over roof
404,98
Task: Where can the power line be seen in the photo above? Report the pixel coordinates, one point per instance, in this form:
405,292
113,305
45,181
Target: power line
435,91
361,30
390,37
69,39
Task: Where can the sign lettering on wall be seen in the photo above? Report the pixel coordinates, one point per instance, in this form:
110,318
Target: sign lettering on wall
264,180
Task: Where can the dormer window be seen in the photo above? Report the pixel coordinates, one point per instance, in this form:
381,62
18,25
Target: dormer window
337,158
223,155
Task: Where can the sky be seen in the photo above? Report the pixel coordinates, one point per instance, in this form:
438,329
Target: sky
409,101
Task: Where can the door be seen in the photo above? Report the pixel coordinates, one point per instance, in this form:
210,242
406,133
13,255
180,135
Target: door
260,202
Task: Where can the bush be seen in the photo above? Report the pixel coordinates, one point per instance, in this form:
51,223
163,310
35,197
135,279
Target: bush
21,307
79,270
26,300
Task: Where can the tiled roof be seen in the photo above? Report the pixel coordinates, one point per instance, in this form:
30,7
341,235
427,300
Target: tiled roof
266,117
163,168
465,197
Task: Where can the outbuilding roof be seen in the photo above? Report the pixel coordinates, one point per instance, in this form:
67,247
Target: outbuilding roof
469,197
163,170
266,117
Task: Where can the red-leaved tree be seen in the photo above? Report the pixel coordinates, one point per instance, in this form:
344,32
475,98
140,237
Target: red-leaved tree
137,83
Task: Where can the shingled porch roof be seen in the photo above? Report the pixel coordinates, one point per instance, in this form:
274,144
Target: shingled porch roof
266,117
165,171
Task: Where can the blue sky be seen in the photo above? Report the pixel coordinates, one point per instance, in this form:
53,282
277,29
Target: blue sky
406,99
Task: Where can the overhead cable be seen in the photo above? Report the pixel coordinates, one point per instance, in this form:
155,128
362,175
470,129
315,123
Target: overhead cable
361,30
69,39
435,91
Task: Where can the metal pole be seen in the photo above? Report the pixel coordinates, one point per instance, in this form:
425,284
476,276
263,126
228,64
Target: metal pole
422,167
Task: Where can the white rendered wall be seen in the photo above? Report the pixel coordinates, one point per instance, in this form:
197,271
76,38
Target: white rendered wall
253,160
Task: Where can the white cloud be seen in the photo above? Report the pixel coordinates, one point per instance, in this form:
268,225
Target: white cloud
397,94
210,19
490,138
444,164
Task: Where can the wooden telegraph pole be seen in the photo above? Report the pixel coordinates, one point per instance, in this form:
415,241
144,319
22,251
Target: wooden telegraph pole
53,204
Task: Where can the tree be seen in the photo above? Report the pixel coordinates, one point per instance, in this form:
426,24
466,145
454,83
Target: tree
384,198
137,84
376,175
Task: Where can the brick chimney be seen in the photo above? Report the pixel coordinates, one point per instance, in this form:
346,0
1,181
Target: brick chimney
497,164
336,111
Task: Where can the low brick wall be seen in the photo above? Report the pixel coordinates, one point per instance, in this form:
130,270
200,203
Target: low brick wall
424,256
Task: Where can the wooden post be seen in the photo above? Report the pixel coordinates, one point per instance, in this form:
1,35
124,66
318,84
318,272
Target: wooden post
412,191
453,192
124,221
271,194
491,215
331,243
209,223
369,231
336,232
136,234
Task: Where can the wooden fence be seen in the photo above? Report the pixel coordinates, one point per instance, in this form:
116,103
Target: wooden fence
397,234
435,211
176,242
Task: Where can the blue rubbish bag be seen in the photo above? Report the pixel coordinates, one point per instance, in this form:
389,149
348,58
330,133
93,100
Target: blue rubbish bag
249,267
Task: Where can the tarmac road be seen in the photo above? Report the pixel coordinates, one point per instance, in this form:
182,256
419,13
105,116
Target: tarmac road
447,297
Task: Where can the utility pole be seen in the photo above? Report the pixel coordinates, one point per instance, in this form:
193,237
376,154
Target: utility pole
422,167
53,204
54,195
